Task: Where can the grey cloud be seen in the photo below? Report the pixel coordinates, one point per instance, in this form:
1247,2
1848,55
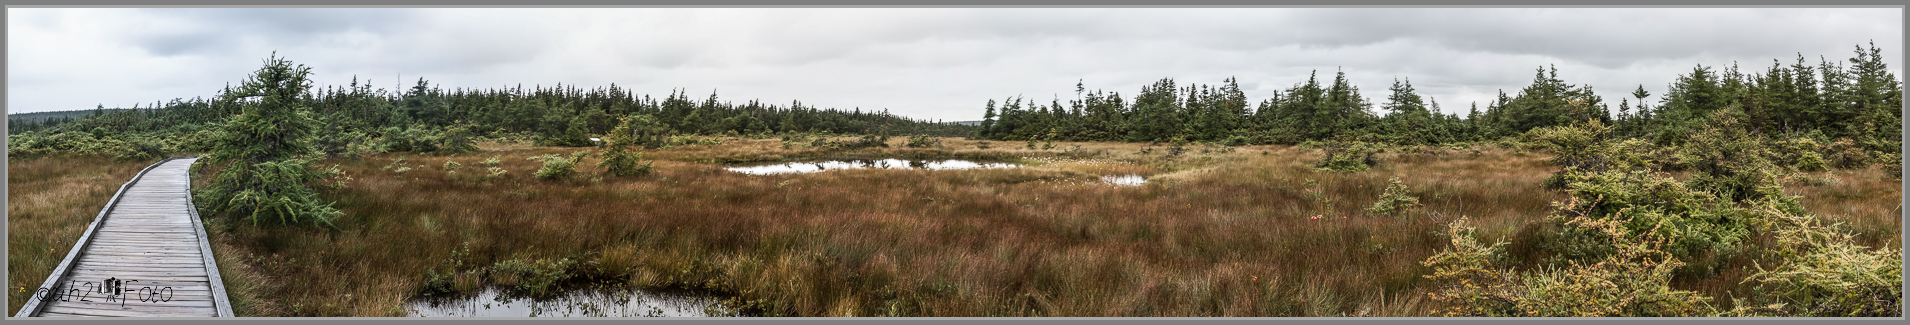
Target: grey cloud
216,30
942,63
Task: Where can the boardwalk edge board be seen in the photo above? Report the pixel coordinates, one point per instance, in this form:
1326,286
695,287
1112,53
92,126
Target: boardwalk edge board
219,302
66,268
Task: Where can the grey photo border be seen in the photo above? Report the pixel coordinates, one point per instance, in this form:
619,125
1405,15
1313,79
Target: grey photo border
1005,4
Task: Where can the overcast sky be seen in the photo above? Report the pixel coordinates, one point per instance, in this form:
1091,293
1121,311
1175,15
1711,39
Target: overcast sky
922,63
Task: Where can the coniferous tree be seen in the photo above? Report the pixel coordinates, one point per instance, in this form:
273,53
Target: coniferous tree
264,152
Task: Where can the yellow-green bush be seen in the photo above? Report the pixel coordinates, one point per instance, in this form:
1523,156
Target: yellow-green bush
1633,281
1823,273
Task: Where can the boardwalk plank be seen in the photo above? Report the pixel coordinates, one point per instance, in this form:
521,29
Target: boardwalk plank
178,291
170,269
141,251
133,273
139,262
133,304
142,311
127,241
132,259
51,314
185,237
145,280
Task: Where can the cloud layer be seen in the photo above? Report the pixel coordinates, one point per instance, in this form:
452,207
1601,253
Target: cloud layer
924,63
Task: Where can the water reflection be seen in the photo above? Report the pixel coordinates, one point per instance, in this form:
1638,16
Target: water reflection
811,167
578,303
1127,180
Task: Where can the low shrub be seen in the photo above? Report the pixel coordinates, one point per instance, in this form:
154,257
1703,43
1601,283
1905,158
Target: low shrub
1823,273
1633,281
923,141
559,167
620,154
1344,155
411,139
1846,154
1582,147
1395,199
1732,162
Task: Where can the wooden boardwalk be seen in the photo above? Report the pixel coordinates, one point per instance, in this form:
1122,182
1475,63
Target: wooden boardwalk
150,241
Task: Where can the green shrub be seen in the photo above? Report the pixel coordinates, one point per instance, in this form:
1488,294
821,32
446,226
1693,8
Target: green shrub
415,138
1731,162
1476,284
1633,281
623,163
1641,154
1846,154
923,141
570,134
620,157
335,142
1816,180
790,141
1811,162
866,141
277,193
122,146
1800,154
1582,147
1344,155
1395,199
1694,222
1823,273
458,138
1237,141
559,167
1892,163
395,163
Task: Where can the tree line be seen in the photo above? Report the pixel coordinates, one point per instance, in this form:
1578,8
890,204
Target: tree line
1827,100
386,120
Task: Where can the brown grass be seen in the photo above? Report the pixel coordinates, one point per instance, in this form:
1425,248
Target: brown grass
50,201
1211,234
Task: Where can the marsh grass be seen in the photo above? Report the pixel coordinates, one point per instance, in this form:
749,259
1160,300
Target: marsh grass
1250,232
50,201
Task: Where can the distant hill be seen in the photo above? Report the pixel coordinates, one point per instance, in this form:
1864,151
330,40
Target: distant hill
41,116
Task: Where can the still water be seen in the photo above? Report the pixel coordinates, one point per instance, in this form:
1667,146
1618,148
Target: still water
1126,180
811,167
576,303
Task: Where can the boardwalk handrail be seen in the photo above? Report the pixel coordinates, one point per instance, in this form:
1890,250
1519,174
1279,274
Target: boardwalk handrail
35,304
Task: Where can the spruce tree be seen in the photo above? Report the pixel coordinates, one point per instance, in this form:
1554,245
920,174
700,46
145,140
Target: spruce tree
620,155
264,152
